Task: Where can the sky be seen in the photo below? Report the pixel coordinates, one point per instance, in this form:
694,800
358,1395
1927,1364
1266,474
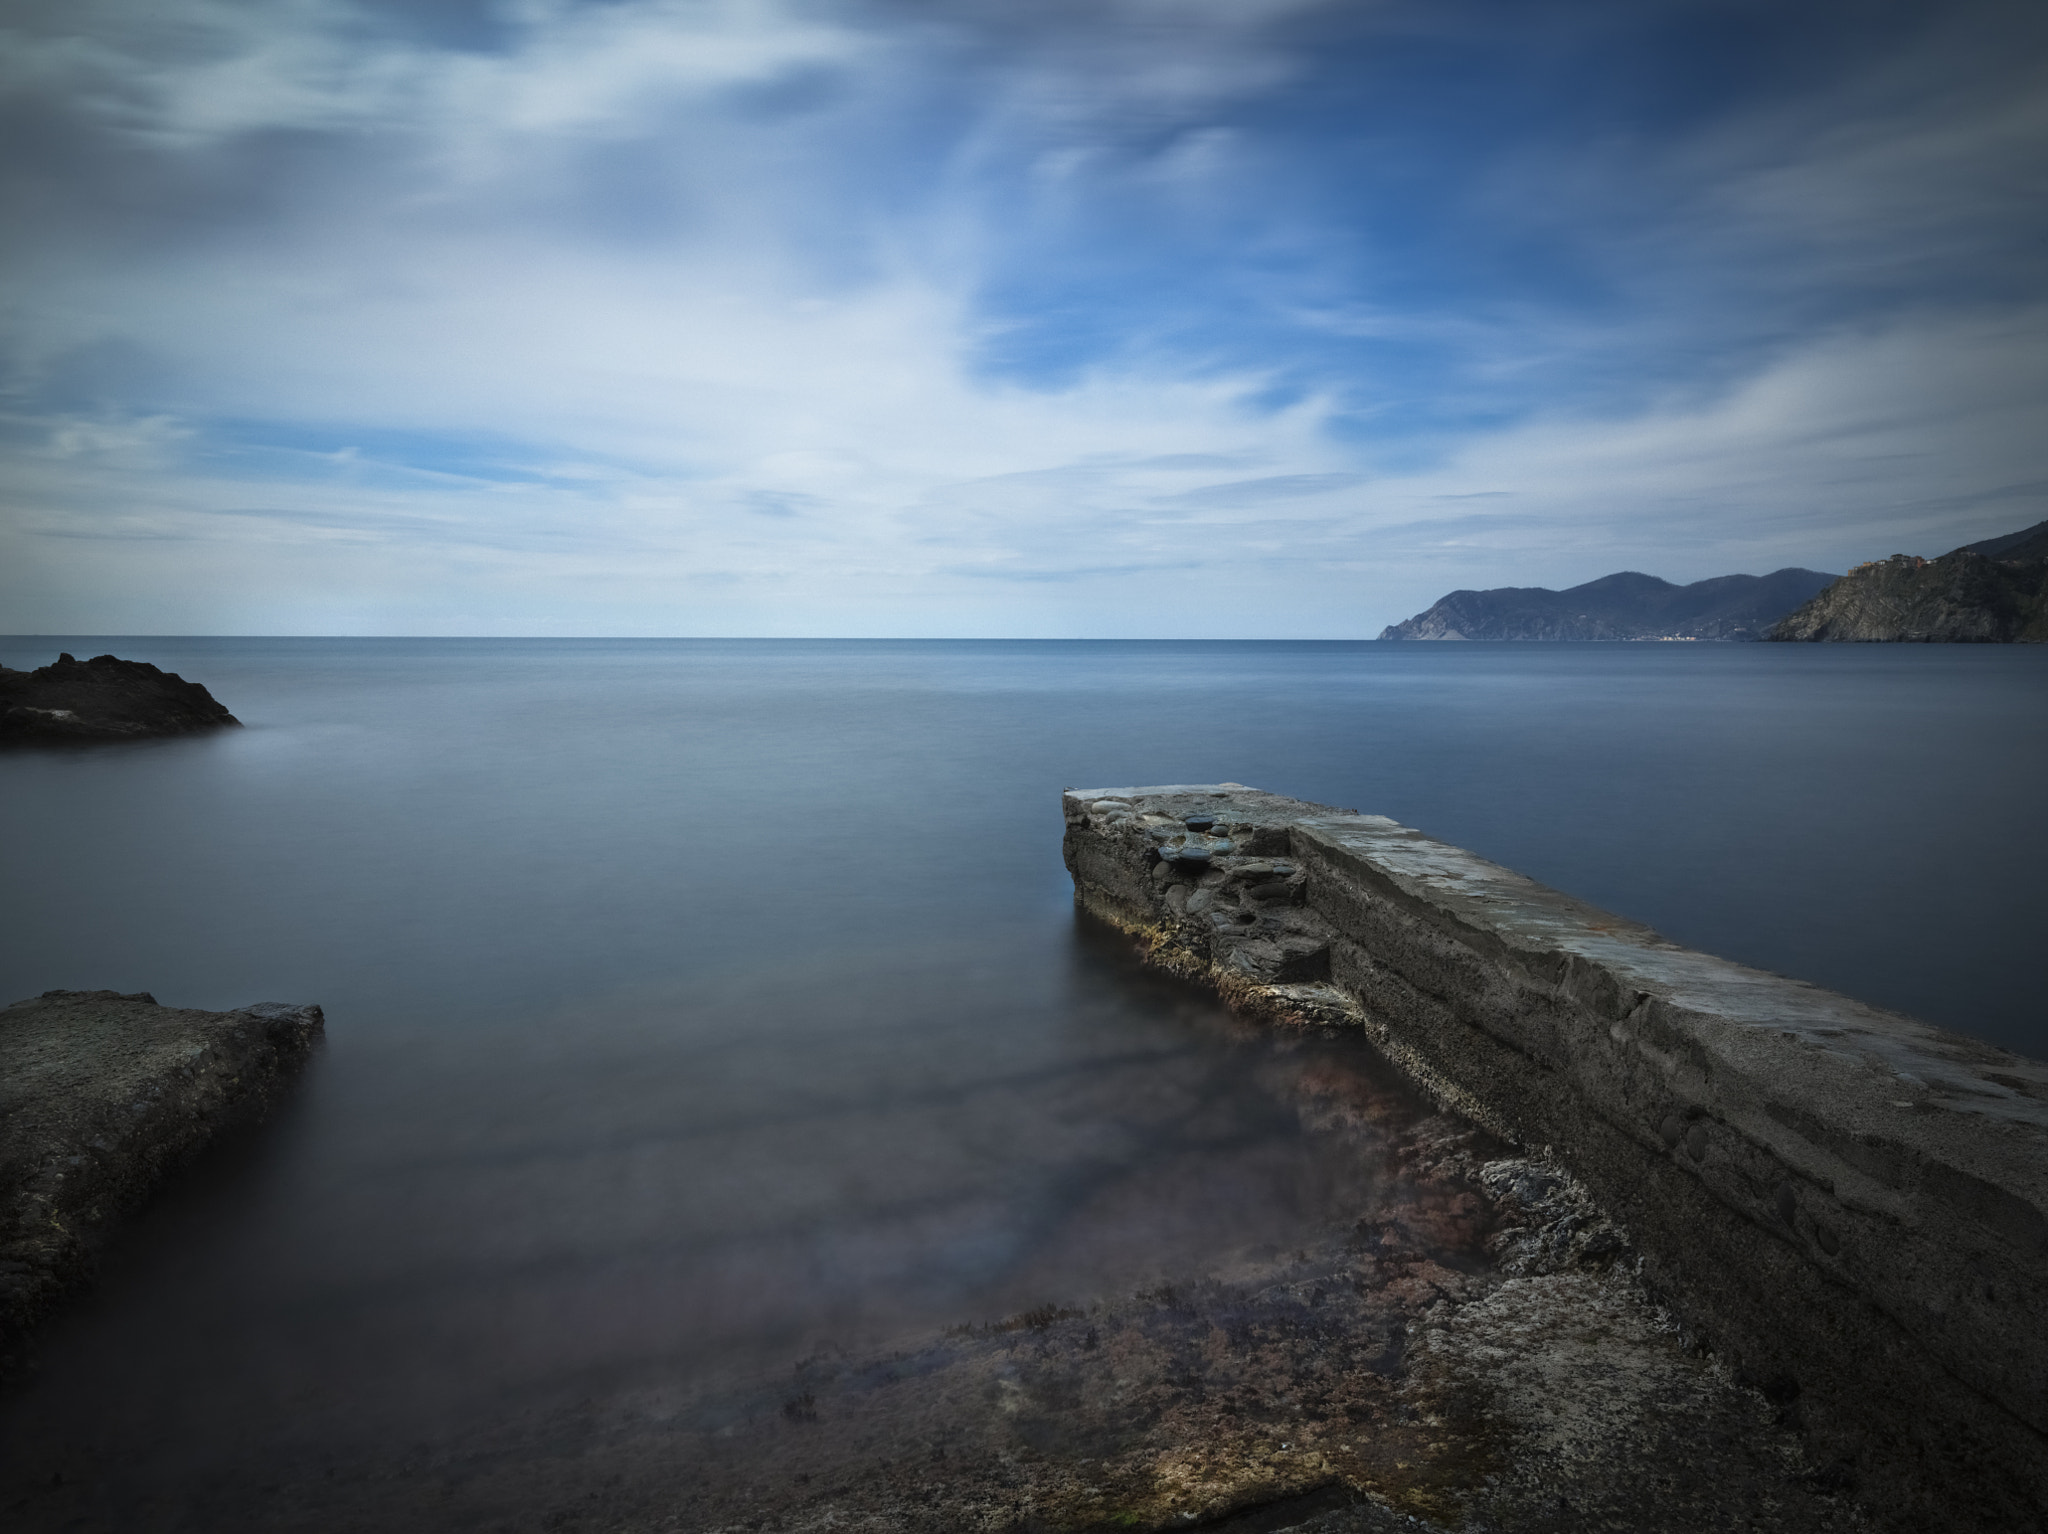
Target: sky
1027,318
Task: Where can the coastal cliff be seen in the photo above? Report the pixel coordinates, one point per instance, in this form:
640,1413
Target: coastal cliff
1848,1206
1626,606
1993,592
101,1097
104,698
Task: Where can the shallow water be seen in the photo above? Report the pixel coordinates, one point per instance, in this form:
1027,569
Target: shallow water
693,1004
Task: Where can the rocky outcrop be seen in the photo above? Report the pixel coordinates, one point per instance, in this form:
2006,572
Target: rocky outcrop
101,1096
1618,607
104,698
1993,592
1849,1206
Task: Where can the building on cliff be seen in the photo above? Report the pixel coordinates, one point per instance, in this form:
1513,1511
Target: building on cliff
1992,592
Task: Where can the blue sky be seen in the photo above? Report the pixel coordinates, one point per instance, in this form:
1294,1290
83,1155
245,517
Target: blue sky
1260,318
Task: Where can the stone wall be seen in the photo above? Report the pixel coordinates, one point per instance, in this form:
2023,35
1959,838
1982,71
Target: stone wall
1848,1205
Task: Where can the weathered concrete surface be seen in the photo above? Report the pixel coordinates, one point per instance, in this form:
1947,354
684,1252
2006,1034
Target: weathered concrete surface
102,1095
104,698
1849,1205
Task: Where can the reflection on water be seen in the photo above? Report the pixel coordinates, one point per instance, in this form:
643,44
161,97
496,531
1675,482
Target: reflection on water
693,1007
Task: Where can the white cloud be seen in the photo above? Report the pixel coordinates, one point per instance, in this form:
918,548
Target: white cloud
742,396
1914,438
206,70
959,508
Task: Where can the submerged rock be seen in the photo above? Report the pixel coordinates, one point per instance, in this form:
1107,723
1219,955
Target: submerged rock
1459,1344
1473,1353
104,698
101,1096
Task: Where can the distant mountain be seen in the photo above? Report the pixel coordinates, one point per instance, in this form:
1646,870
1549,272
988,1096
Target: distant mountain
1624,606
1992,592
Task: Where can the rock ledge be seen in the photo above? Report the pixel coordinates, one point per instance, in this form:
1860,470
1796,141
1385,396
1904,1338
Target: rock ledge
101,1096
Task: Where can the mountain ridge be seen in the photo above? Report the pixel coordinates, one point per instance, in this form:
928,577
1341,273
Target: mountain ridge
1627,605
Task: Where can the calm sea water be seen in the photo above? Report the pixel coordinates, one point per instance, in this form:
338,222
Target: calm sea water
693,1004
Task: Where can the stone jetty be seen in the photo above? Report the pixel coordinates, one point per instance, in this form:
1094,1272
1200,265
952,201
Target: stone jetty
1845,1205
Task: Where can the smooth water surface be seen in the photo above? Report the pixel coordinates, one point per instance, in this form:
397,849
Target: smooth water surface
695,1004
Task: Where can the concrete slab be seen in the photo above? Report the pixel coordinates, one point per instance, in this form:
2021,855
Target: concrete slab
102,1096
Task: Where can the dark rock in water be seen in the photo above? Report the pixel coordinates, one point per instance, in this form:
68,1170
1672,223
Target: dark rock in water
1993,592
101,1096
1629,605
103,699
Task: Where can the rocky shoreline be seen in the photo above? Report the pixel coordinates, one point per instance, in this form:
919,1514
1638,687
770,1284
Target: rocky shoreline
102,1096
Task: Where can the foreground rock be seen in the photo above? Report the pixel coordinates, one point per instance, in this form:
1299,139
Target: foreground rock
1848,1206
104,698
1625,606
101,1096
1993,592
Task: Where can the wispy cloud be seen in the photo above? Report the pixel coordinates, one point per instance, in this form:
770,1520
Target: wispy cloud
1161,316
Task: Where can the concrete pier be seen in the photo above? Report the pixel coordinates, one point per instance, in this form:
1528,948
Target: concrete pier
102,1096
1847,1205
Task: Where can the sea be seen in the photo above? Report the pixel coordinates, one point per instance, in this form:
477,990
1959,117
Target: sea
695,1005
